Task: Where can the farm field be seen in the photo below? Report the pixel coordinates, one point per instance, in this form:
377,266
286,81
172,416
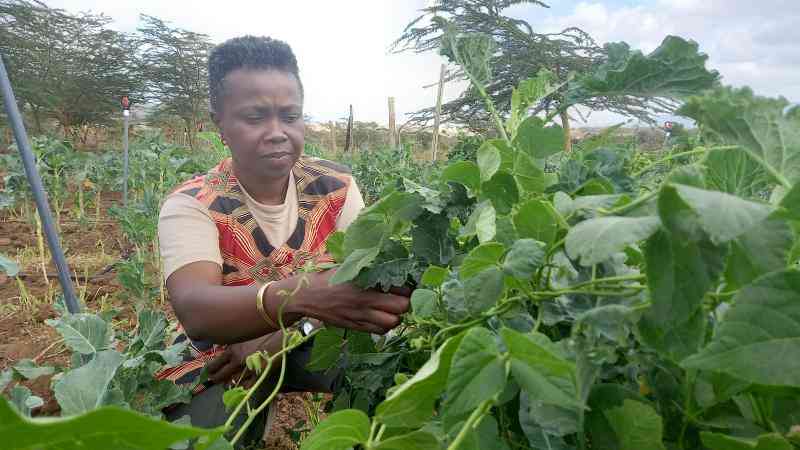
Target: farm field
604,292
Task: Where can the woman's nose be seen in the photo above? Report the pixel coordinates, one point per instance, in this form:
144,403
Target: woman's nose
273,131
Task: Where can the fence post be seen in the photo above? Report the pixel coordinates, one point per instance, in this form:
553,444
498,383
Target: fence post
348,137
436,118
39,195
393,137
125,118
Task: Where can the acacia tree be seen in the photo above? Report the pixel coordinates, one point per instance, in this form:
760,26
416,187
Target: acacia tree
174,62
571,57
70,68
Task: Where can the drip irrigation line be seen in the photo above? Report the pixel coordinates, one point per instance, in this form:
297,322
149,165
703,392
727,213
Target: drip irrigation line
39,196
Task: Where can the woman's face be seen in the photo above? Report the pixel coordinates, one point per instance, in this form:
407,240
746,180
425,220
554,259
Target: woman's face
262,121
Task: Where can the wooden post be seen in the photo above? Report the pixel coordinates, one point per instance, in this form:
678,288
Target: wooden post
436,119
332,127
348,138
567,131
393,138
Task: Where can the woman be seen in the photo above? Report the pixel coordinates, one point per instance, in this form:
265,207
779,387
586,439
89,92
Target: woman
233,238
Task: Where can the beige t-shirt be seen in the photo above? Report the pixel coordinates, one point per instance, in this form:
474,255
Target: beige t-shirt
187,233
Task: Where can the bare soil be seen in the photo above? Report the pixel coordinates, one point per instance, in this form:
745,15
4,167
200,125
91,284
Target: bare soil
91,249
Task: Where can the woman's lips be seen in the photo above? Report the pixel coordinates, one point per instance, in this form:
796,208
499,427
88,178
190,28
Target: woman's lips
277,155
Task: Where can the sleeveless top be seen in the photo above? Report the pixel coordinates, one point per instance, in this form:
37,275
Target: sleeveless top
248,257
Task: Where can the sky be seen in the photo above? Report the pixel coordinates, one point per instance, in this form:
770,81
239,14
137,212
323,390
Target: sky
343,46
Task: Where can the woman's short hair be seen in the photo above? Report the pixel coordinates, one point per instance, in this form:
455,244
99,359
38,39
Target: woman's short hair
247,52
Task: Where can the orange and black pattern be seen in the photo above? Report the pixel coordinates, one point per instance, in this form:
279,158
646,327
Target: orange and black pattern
247,255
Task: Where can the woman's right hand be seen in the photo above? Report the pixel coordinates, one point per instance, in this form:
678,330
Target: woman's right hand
347,306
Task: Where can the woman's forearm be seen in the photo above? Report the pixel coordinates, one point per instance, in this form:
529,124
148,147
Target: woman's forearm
228,314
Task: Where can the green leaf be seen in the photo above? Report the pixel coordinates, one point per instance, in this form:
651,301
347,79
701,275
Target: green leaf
604,397
675,69
341,430
83,333
327,348
433,199
23,400
536,220
335,246
29,370
482,291
465,173
530,177
423,302
722,216
387,274
411,404
524,258
416,440
87,387
637,426
733,171
480,258
477,374
543,424
488,160
563,203
472,51
719,441
151,330
759,337
100,429
6,377
552,421
791,202
8,266
502,191
366,232
540,370
482,222
539,141
351,266
758,251
430,239
595,240
757,124
232,397
679,273
434,276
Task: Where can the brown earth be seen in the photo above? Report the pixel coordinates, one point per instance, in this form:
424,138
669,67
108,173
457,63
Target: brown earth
91,248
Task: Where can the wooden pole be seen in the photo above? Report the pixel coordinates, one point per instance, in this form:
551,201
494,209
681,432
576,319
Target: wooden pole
393,138
332,127
436,119
567,131
348,138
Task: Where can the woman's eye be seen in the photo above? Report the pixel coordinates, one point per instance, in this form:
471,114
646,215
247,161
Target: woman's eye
254,118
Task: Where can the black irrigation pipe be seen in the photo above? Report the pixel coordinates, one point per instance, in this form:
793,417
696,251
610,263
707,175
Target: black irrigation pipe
35,181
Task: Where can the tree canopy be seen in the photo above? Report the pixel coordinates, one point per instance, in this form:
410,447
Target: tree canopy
583,72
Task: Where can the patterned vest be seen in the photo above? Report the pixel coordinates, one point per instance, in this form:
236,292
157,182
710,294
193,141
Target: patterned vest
247,255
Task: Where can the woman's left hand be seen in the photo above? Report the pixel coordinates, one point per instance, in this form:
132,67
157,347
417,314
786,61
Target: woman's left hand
231,362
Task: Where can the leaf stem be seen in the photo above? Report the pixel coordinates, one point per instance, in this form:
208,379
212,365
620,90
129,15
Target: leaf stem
629,206
473,421
644,169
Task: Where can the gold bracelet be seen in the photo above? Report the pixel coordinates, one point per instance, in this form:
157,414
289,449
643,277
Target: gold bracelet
260,306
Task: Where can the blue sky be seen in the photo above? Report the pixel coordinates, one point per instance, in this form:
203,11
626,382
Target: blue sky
342,46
